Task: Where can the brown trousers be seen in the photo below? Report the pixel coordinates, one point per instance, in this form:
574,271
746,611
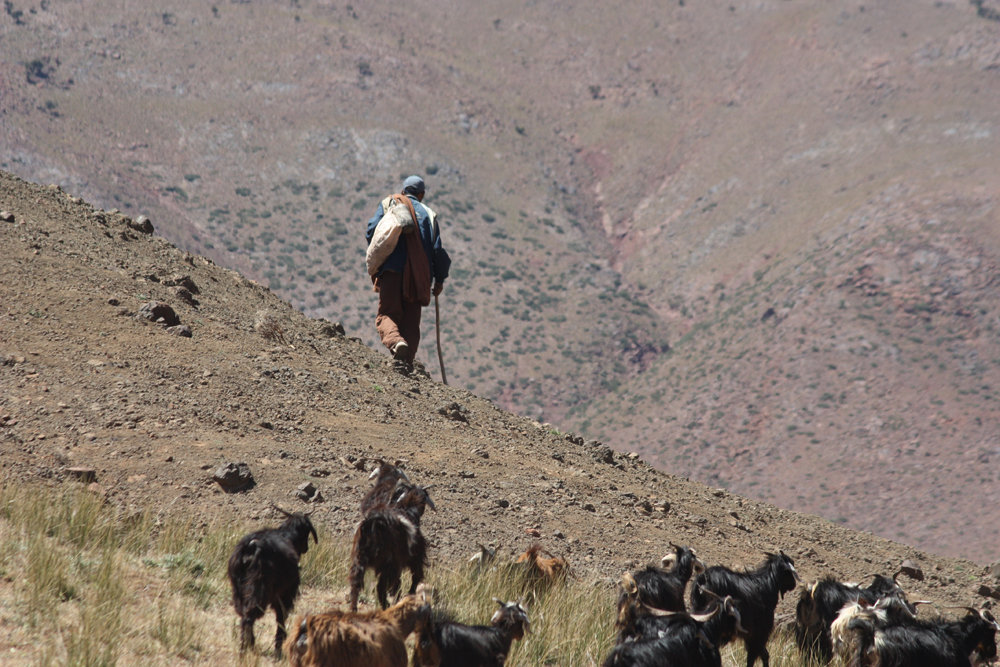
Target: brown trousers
397,319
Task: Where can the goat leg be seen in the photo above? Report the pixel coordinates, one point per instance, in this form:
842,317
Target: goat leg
280,633
246,633
357,581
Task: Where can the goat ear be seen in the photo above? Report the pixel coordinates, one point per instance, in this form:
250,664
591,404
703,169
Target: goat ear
498,601
628,584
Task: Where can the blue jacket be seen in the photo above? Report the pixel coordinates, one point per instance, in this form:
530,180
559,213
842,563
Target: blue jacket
430,235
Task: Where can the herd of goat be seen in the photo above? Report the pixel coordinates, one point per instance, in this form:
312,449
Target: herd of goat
677,613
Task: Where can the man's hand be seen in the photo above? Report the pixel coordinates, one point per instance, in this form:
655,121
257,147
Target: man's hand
438,287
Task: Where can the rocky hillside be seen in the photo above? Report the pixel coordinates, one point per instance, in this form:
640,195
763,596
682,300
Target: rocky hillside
750,241
153,409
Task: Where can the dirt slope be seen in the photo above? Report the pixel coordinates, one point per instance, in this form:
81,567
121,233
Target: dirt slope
628,191
84,382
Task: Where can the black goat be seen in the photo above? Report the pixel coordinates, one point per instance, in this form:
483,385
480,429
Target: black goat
638,619
388,540
662,587
446,643
756,594
820,604
679,638
387,477
941,644
264,572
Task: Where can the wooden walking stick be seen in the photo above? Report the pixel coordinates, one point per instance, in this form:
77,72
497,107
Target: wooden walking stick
437,330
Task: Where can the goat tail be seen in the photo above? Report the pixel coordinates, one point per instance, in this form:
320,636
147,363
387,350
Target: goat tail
245,575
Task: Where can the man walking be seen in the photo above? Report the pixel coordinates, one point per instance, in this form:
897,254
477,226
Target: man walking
403,281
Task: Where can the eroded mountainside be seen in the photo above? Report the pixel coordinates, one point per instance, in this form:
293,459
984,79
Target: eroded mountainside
756,242
88,382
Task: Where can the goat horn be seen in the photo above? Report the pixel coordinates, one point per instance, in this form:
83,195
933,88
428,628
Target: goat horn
709,593
283,511
664,613
702,618
971,610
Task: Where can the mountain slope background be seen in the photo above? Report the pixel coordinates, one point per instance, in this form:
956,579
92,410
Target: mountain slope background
756,243
88,383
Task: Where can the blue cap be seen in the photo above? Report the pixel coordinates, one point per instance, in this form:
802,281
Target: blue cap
413,185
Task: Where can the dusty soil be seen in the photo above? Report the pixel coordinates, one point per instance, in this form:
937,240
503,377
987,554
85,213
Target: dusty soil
85,382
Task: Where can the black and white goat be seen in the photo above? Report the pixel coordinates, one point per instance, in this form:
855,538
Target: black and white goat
962,643
890,610
756,595
447,643
388,540
679,638
820,604
264,572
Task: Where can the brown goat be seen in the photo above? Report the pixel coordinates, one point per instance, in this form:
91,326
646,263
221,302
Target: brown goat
540,570
359,639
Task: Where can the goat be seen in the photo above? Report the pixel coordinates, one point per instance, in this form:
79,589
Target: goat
387,476
679,638
756,594
938,643
444,642
366,639
820,604
264,572
482,558
889,610
637,618
389,541
540,570
663,587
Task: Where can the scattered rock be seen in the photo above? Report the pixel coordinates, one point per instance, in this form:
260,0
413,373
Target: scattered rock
331,329
308,493
141,224
182,280
184,294
455,412
233,477
82,474
182,330
6,216
604,454
912,570
159,312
